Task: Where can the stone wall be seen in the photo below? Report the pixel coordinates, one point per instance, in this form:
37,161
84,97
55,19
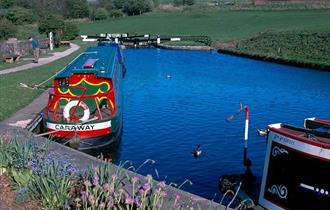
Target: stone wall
20,47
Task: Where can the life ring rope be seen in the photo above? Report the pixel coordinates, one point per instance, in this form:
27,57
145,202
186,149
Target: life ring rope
71,104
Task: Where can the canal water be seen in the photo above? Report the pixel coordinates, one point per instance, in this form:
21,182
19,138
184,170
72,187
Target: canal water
174,100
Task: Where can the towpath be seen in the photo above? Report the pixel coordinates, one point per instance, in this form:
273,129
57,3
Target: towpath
43,61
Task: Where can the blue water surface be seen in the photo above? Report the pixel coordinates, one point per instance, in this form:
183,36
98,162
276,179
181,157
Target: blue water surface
175,100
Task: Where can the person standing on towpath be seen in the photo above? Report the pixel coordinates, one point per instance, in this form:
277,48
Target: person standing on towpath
36,49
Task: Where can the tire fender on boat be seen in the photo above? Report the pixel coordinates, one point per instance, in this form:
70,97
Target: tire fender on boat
68,107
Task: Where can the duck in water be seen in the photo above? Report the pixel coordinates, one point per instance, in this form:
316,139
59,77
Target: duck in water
198,151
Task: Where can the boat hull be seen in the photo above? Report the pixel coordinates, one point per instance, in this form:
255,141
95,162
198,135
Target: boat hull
295,173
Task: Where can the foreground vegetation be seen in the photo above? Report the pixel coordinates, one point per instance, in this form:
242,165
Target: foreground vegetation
52,181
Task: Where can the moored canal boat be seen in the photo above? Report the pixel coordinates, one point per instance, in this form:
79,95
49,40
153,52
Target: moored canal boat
296,169
84,108
317,124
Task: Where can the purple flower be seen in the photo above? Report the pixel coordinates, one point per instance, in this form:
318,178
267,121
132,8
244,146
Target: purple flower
102,205
91,199
159,206
161,184
163,194
158,191
95,180
146,187
129,200
135,179
106,187
177,197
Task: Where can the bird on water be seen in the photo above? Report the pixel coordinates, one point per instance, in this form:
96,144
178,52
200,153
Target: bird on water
198,151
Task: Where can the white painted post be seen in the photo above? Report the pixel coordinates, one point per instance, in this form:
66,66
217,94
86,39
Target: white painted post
51,41
158,40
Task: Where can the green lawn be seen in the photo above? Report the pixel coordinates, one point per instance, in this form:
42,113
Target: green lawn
13,97
220,25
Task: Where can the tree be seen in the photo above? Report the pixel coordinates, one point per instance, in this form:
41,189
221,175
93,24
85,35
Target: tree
119,4
189,2
78,8
100,14
70,31
20,15
7,29
5,4
137,7
178,2
51,23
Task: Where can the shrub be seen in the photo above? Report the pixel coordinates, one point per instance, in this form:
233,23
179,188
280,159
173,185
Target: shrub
116,13
70,31
20,15
7,29
100,14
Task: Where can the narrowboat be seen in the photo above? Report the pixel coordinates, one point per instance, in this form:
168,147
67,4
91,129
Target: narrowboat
297,167
317,124
85,104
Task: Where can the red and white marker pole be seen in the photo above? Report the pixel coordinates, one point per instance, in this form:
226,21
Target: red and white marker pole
246,132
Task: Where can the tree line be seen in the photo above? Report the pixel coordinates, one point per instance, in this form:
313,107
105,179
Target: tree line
54,14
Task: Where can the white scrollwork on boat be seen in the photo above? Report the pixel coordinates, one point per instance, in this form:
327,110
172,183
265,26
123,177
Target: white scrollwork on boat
279,151
279,190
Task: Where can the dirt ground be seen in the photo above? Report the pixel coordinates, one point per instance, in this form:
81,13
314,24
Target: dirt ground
7,197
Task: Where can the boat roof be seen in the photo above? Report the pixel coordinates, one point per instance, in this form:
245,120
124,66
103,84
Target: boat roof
309,136
99,60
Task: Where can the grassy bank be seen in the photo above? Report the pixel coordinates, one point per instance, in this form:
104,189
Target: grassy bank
13,97
220,25
305,48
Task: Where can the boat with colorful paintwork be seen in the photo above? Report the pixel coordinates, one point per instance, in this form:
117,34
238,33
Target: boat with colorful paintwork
85,105
297,168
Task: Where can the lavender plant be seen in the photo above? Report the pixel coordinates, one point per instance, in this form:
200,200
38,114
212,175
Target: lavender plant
52,178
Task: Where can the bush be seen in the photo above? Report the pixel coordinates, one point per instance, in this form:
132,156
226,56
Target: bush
116,13
7,29
20,15
70,31
100,14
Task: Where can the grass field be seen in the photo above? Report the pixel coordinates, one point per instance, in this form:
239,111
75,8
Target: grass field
220,25
13,97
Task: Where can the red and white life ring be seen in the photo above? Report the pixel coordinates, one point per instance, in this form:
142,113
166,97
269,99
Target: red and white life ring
67,108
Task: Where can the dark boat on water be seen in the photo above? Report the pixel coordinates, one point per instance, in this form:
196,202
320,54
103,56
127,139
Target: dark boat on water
297,167
84,108
317,124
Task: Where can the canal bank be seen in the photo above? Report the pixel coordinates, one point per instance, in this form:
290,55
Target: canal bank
82,162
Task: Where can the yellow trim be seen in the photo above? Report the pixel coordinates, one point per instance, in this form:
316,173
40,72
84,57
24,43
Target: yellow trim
84,80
